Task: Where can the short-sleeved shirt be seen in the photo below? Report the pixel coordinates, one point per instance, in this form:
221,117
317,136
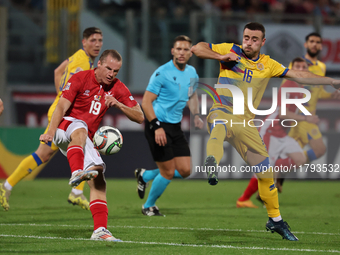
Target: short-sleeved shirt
88,98
244,74
173,89
275,128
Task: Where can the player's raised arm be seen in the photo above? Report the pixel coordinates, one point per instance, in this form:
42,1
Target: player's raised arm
58,73
134,113
309,78
203,50
62,107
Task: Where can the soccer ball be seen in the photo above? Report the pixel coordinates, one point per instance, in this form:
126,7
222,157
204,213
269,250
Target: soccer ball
108,140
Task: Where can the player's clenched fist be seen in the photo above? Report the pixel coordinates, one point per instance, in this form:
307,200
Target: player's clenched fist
110,101
230,57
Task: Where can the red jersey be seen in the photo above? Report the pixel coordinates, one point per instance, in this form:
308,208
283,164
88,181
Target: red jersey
88,98
274,127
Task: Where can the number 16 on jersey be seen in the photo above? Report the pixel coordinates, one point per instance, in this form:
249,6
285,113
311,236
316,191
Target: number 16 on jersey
248,75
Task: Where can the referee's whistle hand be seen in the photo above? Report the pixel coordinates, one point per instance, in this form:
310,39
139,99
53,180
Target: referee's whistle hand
160,137
198,123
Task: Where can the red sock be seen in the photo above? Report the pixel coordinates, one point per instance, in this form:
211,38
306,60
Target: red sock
75,157
250,190
99,213
285,162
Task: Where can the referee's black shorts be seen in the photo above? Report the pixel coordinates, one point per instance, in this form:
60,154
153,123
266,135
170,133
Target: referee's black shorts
176,146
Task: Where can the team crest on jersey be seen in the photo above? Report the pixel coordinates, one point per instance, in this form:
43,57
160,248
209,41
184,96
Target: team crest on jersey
108,93
260,66
86,93
97,98
314,131
131,98
213,116
67,87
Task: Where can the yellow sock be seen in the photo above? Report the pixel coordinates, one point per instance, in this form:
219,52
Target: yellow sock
80,186
268,192
215,142
24,168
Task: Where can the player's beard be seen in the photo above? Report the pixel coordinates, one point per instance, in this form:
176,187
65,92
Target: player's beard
250,54
313,54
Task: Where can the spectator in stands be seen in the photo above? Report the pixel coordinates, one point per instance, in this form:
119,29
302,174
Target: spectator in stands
324,8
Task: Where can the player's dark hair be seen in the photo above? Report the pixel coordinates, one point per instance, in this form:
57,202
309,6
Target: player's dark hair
182,38
113,53
313,34
256,26
299,60
90,31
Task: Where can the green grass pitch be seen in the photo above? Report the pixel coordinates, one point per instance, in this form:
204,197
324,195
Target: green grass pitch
200,219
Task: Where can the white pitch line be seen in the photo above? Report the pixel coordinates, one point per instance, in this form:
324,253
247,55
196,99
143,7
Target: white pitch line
168,228
179,244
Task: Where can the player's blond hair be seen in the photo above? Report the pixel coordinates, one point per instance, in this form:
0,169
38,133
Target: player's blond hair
113,53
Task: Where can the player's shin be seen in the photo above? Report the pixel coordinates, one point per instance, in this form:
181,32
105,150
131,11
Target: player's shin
24,168
215,142
158,186
75,157
99,213
268,192
310,154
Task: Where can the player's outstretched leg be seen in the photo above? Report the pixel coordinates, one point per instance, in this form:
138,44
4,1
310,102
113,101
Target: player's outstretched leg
4,196
75,157
76,197
215,152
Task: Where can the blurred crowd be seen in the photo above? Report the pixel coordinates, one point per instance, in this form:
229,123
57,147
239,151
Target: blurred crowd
328,9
